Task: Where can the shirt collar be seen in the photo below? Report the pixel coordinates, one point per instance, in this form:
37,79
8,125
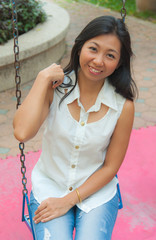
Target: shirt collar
106,96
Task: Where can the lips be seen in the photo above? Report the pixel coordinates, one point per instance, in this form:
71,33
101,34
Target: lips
94,71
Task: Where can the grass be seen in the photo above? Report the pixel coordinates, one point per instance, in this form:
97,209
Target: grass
130,5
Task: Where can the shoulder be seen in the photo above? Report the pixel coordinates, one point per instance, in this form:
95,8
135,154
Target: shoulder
125,122
124,105
128,107
127,114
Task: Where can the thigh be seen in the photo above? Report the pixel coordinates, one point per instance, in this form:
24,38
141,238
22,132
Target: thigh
59,229
98,224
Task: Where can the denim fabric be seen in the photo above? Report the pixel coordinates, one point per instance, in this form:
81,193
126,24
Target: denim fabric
96,225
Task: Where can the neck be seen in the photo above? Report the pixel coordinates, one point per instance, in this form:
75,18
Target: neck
89,87
89,90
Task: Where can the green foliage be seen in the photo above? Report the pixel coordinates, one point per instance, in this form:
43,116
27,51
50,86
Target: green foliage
29,13
130,5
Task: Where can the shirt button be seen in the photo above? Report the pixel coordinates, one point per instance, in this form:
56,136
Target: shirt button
77,147
82,123
70,189
73,166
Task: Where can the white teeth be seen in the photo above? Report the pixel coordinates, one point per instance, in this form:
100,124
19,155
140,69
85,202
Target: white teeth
94,70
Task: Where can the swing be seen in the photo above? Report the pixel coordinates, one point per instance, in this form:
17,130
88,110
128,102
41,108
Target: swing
27,218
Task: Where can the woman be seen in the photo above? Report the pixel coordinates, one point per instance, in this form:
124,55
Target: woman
89,114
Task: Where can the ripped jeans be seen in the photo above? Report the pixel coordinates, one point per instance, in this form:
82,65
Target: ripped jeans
96,225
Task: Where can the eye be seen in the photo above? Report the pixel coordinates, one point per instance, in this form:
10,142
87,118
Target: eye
111,55
93,49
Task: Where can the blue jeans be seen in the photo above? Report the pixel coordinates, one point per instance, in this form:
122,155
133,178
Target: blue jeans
96,225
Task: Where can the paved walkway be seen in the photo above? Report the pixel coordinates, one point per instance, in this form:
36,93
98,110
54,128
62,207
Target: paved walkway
144,67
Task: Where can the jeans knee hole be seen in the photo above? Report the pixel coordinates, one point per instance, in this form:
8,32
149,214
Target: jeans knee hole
80,214
47,234
103,227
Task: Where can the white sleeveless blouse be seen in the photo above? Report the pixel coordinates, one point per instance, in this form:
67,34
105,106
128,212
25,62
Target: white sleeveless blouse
72,151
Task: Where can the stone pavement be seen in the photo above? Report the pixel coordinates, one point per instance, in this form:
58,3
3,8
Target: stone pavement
143,36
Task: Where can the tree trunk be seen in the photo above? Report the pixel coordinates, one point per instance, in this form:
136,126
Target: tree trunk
144,5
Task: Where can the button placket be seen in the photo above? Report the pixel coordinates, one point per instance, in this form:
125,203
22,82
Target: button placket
74,160
78,142
73,166
83,117
82,123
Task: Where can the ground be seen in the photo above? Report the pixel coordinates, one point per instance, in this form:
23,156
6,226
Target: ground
138,192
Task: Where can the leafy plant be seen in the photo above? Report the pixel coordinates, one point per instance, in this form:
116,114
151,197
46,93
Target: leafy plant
29,13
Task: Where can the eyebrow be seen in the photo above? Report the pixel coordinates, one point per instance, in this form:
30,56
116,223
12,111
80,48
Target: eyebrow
112,50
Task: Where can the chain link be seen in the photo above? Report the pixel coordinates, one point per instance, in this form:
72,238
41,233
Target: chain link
18,91
123,10
23,168
16,54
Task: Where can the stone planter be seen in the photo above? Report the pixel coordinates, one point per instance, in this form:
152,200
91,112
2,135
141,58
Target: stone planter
39,48
144,5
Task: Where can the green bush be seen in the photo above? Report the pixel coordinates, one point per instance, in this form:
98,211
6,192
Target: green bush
29,13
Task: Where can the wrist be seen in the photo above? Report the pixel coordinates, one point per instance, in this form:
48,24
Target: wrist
72,198
43,78
78,195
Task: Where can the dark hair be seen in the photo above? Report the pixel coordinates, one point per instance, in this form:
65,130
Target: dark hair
121,78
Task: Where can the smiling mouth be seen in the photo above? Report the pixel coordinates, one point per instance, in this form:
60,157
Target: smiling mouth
94,70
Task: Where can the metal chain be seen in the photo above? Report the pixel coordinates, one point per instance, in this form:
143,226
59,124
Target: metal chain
23,168
123,10
16,54
18,91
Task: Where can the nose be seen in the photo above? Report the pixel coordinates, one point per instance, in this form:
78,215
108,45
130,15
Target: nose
99,60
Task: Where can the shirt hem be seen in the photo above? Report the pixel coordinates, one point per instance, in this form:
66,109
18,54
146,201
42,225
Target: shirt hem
87,209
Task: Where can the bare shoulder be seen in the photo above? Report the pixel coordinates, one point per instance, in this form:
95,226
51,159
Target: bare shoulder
127,114
128,106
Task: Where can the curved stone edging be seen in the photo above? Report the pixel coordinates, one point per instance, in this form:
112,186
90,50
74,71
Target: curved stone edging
39,48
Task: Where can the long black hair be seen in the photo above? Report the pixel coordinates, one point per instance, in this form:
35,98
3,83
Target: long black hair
121,78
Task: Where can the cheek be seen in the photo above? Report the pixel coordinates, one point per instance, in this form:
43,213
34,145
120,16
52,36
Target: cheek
84,58
111,66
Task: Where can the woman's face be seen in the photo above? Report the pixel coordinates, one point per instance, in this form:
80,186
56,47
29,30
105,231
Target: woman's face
99,57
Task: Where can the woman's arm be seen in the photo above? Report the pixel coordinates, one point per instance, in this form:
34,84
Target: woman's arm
34,109
54,207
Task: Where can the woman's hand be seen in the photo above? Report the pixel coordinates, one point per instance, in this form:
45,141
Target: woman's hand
54,74
51,208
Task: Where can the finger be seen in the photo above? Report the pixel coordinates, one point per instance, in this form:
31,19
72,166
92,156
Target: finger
41,219
41,215
40,208
54,64
56,84
47,218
